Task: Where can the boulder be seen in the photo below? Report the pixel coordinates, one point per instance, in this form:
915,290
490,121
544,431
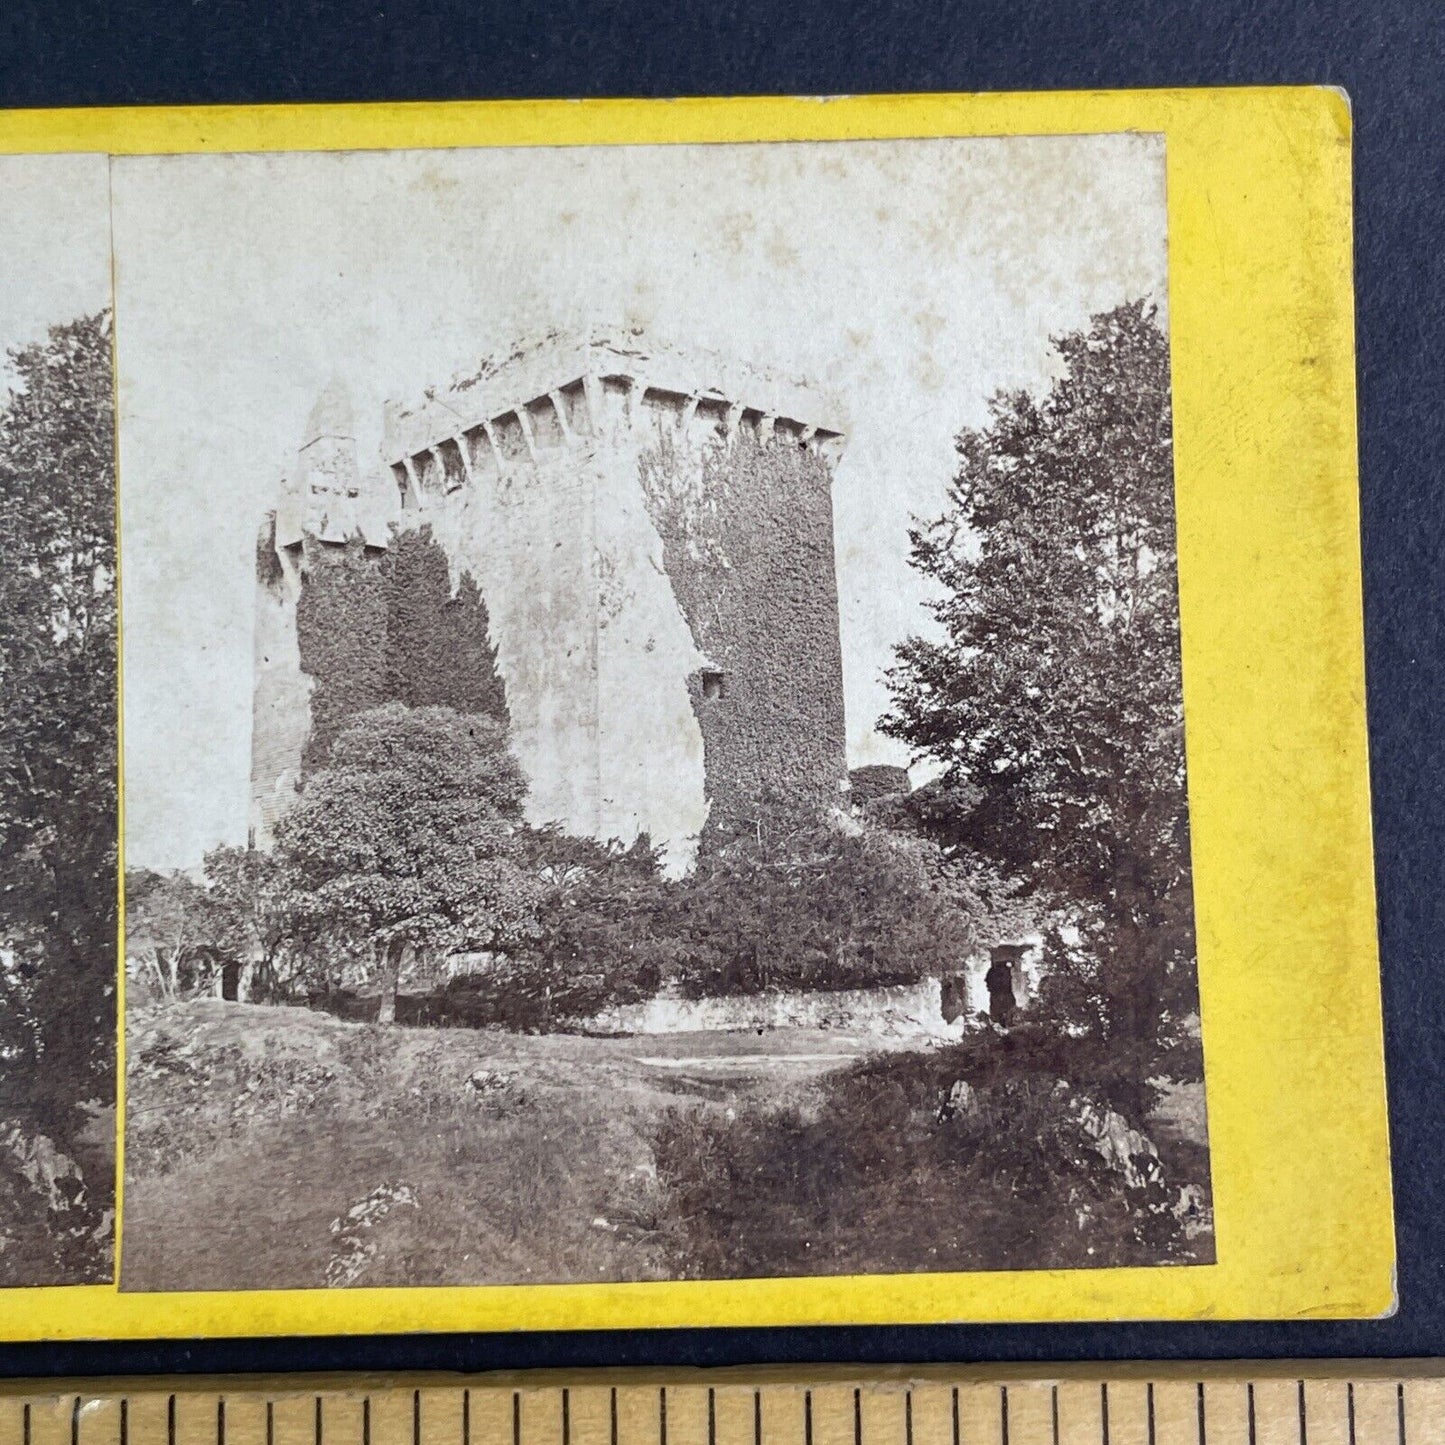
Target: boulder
1123,1148
960,1100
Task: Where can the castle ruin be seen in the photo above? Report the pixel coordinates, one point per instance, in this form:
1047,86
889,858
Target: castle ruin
636,555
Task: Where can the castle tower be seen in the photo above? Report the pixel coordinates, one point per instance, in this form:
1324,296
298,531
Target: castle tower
653,535
325,495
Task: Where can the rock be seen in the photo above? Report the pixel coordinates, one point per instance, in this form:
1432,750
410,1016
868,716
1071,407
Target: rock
1122,1148
635,1203
354,1246
962,1098
1192,1210
489,1081
53,1175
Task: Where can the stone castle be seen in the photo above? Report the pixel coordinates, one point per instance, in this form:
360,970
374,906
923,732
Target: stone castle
633,553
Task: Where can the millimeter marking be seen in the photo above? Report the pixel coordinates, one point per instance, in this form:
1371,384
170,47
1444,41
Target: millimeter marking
726,1408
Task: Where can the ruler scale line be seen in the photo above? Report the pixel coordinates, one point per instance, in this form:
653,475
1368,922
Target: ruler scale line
1274,1407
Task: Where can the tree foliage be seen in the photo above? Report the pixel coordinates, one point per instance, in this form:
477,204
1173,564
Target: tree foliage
252,912
169,932
58,810
1051,692
411,837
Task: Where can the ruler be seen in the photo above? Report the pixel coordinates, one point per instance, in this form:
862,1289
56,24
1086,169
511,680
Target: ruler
1278,1404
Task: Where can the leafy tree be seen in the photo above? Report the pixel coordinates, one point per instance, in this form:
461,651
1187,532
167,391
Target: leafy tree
169,930
58,811
597,940
1052,697
252,906
412,835
814,905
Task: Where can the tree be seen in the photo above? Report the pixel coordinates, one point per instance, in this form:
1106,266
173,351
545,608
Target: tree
412,834
58,809
1052,698
169,928
251,906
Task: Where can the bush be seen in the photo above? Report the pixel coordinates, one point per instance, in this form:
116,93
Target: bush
876,1177
827,906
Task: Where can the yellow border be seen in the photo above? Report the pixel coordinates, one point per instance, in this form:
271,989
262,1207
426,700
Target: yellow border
1261,312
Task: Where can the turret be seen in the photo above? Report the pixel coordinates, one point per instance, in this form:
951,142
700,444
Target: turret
325,496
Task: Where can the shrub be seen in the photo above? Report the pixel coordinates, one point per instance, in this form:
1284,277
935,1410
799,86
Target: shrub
875,1177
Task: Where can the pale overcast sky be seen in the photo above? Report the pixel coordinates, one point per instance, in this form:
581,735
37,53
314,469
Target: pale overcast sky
910,280
54,246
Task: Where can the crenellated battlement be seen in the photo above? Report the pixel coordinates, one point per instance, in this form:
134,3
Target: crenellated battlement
566,393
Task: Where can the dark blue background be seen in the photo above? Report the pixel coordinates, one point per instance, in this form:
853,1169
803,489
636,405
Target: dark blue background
1387,56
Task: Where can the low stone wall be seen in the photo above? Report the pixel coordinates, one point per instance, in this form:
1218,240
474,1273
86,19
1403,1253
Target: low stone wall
903,1011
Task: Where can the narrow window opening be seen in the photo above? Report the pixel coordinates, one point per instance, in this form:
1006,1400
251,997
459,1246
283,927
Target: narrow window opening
403,486
714,684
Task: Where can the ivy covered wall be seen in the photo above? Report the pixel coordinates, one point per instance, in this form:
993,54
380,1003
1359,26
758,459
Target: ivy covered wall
381,625
747,534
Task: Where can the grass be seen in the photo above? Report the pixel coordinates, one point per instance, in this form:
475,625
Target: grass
251,1130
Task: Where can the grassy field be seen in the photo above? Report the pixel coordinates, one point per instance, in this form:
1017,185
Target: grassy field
250,1129
275,1147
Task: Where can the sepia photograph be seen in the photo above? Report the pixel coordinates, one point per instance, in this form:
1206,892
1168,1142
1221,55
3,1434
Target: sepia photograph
58,727
653,719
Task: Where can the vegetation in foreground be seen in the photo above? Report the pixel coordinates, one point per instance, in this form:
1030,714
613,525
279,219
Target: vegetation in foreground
276,1147
893,1167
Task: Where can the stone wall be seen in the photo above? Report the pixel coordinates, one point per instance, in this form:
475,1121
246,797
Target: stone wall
281,691
902,1011
345,626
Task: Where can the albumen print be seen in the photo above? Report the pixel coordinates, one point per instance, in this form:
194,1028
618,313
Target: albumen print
58,724
653,722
